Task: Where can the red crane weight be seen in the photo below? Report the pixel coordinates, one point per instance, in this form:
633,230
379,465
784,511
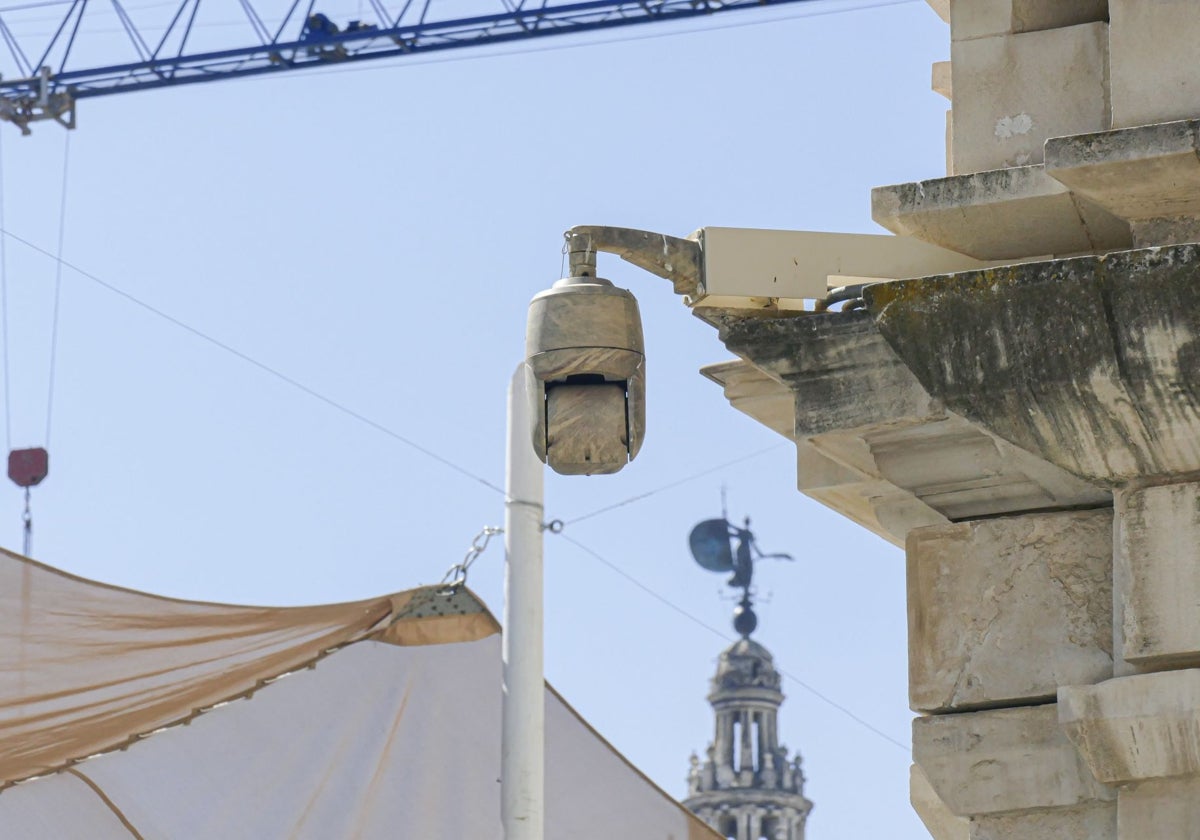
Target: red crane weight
27,467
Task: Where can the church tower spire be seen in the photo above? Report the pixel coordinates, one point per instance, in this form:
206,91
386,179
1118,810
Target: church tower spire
747,787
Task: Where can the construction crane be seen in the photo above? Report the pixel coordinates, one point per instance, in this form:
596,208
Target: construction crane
67,60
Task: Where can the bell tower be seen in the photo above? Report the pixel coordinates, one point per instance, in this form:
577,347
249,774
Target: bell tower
747,787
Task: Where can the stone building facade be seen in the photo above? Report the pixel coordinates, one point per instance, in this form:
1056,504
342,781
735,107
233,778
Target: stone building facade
1027,428
747,787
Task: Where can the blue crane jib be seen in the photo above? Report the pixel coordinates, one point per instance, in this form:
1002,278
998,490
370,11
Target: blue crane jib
61,51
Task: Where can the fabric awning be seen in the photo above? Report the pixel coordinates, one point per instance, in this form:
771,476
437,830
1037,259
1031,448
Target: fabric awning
124,714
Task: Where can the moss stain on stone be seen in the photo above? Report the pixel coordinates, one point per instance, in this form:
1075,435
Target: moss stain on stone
1081,361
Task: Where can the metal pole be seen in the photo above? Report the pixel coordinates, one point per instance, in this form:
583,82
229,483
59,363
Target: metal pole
522,751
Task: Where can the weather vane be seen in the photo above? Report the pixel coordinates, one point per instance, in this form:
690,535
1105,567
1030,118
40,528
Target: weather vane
712,544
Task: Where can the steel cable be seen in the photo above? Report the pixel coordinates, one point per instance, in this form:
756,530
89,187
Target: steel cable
58,266
702,623
4,309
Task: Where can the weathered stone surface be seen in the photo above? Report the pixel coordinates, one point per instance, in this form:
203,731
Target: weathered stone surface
841,371
1131,729
933,812
1097,821
1149,81
1089,362
831,470
1011,213
1161,808
950,142
963,472
941,80
1004,611
1032,15
1149,176
870,441
984,18
1172,230
980,18
1143,172
835,469
1004,110
1001,761
1158,575
753,392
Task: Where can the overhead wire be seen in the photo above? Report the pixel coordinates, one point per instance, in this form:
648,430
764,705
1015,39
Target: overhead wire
60,263
4,234
291,381
829,701
311,392
297,384
262,366
708,471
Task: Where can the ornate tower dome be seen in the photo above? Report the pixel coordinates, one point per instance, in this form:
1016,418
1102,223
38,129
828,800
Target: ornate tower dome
746,669
747,787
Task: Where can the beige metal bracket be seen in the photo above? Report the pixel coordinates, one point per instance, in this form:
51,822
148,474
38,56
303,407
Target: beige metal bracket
745,268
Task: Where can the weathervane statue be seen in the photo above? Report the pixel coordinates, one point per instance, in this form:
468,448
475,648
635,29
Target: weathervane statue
712,544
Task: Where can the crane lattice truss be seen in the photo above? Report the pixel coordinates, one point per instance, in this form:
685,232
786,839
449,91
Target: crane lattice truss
61,51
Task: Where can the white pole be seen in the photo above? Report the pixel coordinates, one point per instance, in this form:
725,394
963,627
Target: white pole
522,751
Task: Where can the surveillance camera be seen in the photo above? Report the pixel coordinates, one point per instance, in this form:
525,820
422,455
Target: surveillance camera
585,366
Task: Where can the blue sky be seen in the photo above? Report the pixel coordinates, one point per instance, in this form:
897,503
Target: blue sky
376,235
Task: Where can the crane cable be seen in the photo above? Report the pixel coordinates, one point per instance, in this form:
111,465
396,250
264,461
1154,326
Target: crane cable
28,480
26,516
27,467
58,267
4,305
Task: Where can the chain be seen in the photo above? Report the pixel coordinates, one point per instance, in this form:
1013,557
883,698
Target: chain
27,519
456,577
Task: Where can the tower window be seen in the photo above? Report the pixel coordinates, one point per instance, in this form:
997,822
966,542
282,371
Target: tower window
737,744
757,742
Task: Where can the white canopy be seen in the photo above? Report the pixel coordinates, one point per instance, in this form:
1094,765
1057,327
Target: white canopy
126,715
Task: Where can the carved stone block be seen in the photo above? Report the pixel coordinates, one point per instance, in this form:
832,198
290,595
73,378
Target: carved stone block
1006,610
1003,761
